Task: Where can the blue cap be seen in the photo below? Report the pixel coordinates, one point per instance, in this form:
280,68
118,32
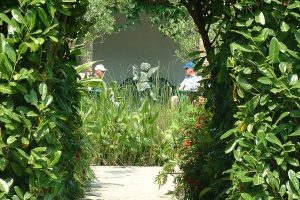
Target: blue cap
189,65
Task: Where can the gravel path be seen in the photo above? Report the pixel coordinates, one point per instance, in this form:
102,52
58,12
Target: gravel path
127,183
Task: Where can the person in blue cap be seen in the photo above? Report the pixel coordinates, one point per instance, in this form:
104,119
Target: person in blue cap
191,81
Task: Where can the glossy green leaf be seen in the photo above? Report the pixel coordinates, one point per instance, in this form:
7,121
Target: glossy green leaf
6,19
250,160
15,197
247,70
294,5
17,15
284,67
243,48
4,186
231,146
48,29
3,161
227,134
54,39
34,2
244,83
296,133
43,90
294,54
27,196
274,50
30,18
273,139
11,139
252,104
19,192
265,80
32,97
284,26
282,190
32,114
246,196
48,100
247,35
56,158
205,191
22,49
283,115
43,16
23,153
293,161
257,180
5,89
294,179
260,18
262,36
64,11
10,52
249,22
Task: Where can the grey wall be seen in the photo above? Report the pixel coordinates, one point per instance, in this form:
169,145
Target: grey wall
142,43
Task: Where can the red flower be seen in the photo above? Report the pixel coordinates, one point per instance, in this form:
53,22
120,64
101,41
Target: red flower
198,125
187,143
200,118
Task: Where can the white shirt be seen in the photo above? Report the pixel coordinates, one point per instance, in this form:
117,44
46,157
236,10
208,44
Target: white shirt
190,83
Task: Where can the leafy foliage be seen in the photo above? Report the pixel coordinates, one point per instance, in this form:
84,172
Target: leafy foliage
172,20
127,134
197,162
265,67
100,16
259,83
39,142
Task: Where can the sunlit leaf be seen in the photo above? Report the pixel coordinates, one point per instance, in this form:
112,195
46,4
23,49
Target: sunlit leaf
260,18
274,50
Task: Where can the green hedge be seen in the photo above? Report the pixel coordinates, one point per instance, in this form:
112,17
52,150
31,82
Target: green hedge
39,146
265,66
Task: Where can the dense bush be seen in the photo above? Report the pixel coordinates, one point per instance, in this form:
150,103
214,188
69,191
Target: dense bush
39,144
198,162
201,163
265,65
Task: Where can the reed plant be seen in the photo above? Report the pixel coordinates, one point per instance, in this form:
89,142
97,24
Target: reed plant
134,132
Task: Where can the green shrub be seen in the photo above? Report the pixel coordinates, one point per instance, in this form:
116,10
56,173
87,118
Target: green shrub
265,66
39,141
198,162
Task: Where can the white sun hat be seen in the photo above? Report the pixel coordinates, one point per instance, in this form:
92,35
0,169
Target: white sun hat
100,67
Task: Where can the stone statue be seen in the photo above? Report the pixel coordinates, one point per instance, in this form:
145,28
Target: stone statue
142,79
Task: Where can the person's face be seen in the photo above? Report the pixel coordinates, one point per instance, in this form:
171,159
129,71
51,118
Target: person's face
100,74
189,71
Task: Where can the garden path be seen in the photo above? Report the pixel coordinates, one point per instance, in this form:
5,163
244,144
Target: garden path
127,183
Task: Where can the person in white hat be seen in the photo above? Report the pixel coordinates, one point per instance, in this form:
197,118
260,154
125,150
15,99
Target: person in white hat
100,71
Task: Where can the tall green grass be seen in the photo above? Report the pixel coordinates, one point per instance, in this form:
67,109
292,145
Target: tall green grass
134,133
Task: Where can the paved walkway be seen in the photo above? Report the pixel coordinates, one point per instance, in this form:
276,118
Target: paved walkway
127,183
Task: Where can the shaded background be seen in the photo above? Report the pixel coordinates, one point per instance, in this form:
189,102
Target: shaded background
140,43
